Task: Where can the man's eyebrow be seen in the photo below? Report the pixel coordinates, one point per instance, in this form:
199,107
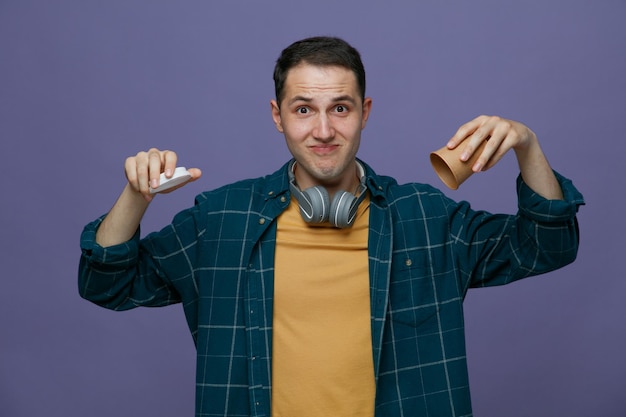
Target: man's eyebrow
300,98
346,97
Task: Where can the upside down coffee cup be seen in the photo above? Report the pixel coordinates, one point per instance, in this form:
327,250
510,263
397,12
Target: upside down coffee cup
449,167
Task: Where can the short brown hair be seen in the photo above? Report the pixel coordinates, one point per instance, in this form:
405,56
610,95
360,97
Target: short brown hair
319,51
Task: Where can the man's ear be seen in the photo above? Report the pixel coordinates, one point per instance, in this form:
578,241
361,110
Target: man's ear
276,116
367,108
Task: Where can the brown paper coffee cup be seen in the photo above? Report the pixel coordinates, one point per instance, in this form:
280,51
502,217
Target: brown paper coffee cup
449,167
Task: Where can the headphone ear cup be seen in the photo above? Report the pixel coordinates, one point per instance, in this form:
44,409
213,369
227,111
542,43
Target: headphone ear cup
340,209
318,201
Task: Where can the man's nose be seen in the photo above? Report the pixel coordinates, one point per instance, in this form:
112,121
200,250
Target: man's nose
323,129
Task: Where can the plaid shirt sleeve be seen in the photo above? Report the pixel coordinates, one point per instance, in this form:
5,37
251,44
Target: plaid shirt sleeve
498,249
131,274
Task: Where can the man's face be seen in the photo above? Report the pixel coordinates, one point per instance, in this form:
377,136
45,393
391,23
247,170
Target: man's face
322,115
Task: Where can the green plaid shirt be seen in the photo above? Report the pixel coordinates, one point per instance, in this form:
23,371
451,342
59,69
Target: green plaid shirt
425,252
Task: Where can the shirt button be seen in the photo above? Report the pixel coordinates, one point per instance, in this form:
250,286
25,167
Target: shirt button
283,199
261,221
408,262
270,193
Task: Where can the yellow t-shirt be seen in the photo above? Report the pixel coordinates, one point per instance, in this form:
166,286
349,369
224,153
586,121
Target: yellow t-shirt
322,362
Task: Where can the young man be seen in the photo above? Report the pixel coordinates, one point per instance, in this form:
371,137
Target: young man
324,288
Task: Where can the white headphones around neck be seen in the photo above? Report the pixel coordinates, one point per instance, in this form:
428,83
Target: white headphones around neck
315,205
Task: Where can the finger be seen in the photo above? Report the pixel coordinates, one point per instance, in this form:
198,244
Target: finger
506,144
196,173
499,140
486,156
492,129
169,162
139,170
130,170
155,164
465,131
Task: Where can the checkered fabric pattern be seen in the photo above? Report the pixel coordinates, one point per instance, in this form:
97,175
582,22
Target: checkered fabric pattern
425,252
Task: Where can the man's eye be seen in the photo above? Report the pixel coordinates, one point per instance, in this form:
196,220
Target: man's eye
340,109
302,110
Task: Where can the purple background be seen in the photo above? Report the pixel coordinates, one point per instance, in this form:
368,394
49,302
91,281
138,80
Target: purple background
84,84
